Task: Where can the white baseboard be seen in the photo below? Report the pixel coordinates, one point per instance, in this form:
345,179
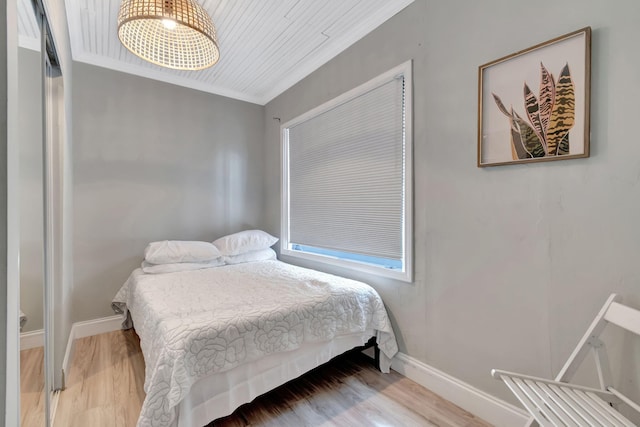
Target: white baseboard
469,398
31,339
96,326
87,329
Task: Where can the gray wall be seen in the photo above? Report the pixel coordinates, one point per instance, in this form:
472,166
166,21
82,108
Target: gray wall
153,161
511,262
30,133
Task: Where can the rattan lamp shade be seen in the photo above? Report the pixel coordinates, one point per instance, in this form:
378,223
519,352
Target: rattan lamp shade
177,34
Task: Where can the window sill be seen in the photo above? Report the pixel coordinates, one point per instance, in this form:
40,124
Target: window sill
403,276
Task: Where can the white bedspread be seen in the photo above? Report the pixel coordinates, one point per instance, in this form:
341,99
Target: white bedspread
195,323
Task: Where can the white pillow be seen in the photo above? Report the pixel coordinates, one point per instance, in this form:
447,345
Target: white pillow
149,268
172,251
259,255
244,241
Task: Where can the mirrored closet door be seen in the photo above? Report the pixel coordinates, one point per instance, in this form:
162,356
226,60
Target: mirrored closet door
30,133
39,106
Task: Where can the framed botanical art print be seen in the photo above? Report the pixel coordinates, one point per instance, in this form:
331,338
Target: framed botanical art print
534,105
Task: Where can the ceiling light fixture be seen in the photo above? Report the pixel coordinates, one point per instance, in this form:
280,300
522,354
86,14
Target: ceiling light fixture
177,34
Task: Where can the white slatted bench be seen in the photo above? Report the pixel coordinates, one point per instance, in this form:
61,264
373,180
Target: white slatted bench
560,403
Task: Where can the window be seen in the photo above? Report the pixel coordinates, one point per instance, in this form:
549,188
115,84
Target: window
347,195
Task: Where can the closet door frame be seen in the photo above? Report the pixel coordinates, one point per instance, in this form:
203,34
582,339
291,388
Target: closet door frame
11,217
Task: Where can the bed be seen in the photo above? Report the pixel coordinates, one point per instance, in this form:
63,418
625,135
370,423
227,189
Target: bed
216,338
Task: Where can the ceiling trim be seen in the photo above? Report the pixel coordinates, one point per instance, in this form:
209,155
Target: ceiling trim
75,27
29,43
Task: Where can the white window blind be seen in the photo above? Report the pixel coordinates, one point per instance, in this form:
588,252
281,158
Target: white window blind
346,176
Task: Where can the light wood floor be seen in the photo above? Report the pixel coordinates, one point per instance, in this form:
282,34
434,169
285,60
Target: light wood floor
105,388
32,400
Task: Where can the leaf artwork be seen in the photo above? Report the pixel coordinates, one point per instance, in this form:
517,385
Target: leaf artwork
533,112
546,97
563,112
530,139
517,147
550,117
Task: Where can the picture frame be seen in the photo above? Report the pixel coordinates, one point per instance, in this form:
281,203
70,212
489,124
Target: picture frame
534,105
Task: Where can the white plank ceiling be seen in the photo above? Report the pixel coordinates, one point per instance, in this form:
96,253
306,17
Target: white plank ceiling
266,46
28,31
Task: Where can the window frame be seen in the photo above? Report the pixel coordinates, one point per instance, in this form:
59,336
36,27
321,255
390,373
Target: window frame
406,274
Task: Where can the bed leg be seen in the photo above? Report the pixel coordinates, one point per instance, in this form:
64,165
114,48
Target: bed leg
376,351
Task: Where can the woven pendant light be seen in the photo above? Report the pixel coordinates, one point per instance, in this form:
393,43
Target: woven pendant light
177,34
